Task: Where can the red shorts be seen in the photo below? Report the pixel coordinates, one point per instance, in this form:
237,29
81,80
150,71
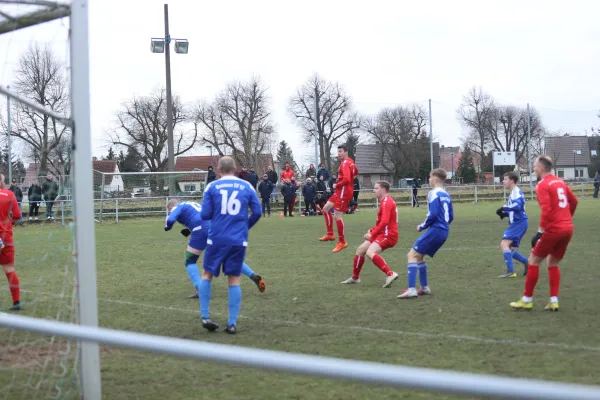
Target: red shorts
338,203
553,243
7,256
385,242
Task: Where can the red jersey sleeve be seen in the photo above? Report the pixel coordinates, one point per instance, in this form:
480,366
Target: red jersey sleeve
572,200
16,213
543,195
386,215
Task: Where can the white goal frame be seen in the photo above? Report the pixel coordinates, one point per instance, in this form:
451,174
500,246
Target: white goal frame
90,335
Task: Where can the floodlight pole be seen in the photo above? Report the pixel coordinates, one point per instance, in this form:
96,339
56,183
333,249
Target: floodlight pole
170,145
430,136
8,122
529,160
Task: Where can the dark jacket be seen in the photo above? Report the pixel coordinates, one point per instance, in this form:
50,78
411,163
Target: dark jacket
288,191
323,172
321,186
265,188
332,182
311,172
245,175
272,177
253,178
309,191
17,191
356,184
50,190
34,193
211,176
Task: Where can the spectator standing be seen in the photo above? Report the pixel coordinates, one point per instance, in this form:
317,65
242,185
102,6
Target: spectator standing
273,178
287,173
332,182
34,195
253,178
415,192
211,176
19,196
265,188
323,172
311,172
596,184
356,190
50,191
309,191
321,185
288,191
244,174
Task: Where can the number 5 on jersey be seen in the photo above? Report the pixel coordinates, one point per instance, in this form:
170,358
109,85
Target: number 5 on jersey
229,204
562,198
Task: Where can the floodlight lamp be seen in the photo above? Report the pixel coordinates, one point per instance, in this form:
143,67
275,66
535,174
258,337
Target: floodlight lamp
157,46
181,46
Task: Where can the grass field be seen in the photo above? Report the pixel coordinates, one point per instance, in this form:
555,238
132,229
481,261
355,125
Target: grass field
466,325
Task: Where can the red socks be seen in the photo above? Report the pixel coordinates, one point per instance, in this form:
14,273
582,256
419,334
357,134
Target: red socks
328,222
340,227
13,284
554,280
533,273
357,266
380,263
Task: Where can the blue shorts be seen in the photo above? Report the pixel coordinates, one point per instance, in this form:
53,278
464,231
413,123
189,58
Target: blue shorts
431,241
515,232
198,238
230,257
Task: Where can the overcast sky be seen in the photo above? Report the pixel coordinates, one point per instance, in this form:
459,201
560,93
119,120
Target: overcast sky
383,52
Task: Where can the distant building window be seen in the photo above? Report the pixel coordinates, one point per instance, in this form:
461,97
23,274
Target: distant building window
189,188
594,153
560,173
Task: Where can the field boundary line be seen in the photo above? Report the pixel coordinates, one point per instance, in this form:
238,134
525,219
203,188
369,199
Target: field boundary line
445,336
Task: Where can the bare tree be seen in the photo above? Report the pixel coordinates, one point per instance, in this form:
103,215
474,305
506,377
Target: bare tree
238,122
402,138
477,115
331,107
40,77
142,128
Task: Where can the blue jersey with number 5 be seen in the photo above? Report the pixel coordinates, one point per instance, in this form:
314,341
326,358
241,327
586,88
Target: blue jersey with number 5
440,213
225,203
187,213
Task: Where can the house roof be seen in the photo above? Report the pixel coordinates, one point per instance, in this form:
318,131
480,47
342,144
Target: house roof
189,163
368,159
562,150
33,173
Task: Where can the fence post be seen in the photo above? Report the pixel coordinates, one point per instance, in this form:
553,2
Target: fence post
101,196
117,210
582,190
167,206
62,212
475,194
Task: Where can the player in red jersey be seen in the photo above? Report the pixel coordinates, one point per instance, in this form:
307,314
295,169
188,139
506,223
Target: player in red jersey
384,235
557,204
8,206
339,201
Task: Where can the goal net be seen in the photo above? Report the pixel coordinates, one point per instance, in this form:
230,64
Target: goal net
34,366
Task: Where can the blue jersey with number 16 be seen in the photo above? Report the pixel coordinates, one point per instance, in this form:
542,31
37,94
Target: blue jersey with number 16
226,203
440,213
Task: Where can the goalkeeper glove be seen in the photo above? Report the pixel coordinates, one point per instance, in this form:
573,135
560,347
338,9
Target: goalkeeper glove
186,232
501,213
535,239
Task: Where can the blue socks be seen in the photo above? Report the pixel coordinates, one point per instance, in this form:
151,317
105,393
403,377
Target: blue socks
520,257
246,270
508,261
235,301
422,273
412,275
204,290
194,274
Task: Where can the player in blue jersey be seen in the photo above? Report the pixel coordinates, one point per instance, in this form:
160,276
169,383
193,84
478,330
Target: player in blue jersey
225,203
517,225
439,216
188,214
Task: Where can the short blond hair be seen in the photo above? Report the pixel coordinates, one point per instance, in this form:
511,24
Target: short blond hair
546,162
226,165
439,173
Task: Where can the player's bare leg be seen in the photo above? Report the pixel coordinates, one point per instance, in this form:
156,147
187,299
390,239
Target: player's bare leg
204,292
373,254
533,273
505,245
329,235
359,260
554,282
416,264
235,298
192,256
342,244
